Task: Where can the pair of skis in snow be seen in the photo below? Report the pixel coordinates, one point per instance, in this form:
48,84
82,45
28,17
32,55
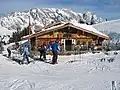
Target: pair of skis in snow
18,60
32,60
48,61
21,62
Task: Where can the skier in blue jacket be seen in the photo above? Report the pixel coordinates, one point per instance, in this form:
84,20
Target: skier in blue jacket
55,52
26,54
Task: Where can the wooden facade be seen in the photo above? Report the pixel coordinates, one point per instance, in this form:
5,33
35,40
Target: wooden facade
67,35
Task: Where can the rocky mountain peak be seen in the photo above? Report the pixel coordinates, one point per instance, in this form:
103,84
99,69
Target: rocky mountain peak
44,16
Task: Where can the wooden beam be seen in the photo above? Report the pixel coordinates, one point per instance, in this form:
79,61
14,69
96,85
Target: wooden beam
64,26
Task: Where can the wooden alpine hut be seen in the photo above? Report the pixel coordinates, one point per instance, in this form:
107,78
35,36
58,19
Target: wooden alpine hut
68,35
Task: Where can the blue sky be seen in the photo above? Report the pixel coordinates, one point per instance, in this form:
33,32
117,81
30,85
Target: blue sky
109,9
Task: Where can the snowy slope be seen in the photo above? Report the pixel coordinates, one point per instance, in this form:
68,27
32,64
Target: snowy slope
5,31
87,73
109,26
45,16
5,34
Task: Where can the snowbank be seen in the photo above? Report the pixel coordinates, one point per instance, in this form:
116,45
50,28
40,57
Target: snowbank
86,72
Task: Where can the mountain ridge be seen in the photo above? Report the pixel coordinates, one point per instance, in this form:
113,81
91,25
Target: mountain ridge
44,16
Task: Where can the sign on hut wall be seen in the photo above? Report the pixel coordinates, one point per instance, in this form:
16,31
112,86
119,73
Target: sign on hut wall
64,35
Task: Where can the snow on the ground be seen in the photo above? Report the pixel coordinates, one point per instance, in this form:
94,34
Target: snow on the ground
79,72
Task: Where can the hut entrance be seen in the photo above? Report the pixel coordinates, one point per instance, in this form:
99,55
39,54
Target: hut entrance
68,45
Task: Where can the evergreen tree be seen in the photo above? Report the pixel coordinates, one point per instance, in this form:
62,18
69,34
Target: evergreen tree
16,36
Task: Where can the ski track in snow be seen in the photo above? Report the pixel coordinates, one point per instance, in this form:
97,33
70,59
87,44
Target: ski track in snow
87,72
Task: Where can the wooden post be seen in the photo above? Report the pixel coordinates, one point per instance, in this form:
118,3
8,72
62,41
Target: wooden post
36,42
29,28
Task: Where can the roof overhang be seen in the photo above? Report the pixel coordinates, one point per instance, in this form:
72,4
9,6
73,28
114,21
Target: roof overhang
64,25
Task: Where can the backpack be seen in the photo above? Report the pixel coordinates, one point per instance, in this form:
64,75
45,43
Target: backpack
42,48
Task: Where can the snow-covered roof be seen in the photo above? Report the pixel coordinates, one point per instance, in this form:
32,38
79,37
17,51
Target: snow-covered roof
88,28
23,41
84,27
54,27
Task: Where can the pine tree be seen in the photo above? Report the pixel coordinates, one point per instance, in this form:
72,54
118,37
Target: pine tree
16,36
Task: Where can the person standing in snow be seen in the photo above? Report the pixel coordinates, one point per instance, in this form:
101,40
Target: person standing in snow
49,49
55,50
9,51
26,54
1,47
42,50
49,46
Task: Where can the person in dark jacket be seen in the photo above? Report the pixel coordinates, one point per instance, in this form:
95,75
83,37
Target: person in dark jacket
42,50
9,51
55,52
